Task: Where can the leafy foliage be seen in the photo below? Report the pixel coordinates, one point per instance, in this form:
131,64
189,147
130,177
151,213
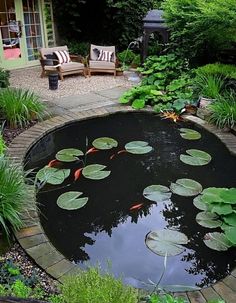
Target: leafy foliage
205,27
92,286
19,107
166,84
156,298
217,69
4,78
2,142
210,86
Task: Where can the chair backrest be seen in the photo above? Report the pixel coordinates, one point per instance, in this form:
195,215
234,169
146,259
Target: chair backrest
49,51
93,54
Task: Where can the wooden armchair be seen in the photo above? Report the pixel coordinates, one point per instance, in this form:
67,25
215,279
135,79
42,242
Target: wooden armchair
51,63
100,63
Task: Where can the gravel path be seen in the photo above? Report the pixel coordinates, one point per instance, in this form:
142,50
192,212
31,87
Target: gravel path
72,85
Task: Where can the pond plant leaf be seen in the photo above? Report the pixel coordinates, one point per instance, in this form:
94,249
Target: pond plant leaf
138,147
229,195
197,202
230,219
230,233
95,172
166,242
217,241
221,208
52,175
208,219
189,134
212,194
195,157
71,201
157,193
186,187
69,154
104,143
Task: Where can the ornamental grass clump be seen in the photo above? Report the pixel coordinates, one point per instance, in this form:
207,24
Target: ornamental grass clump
223,111
14,195
92,286
19,107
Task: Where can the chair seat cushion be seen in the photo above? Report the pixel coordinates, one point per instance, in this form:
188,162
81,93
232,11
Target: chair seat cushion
101,65
72,66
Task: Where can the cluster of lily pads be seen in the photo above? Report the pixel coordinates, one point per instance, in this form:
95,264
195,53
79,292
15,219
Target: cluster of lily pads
54,174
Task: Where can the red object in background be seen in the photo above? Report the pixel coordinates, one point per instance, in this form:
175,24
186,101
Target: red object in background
12,53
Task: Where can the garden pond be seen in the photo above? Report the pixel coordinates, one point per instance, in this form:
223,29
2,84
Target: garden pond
124,190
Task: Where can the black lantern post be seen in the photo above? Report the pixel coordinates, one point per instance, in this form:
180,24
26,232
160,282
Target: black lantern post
153,22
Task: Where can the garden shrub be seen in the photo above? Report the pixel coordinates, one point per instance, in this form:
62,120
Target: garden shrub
209,86
14,195
201,28
19,107
78,48
126,57
218,69
92,286
166,84
4,78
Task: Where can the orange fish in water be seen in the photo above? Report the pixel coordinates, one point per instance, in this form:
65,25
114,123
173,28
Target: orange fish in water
53,163
112,156
92,150
136,206
122,151
77,173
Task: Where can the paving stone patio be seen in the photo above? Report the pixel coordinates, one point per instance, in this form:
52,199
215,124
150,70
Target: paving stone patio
74,108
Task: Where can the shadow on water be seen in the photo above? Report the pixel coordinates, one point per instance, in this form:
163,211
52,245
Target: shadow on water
105,228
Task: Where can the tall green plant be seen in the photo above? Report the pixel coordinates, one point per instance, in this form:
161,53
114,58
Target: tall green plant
14,195
2,142
209,86
19,107
4,78
92,286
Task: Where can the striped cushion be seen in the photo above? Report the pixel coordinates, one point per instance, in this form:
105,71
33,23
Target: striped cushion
62,56
105,56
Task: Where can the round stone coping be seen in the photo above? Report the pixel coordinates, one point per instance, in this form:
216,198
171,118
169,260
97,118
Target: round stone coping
37,245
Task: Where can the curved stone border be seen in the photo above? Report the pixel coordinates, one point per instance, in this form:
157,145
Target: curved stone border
35,242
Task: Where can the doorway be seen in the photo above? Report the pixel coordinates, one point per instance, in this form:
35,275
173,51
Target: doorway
20,32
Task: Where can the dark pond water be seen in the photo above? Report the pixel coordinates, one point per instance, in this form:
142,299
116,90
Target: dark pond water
105,229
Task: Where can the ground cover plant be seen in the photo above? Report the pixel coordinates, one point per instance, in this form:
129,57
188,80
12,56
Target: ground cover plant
18,107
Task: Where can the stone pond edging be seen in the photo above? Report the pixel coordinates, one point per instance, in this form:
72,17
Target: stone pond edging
37,245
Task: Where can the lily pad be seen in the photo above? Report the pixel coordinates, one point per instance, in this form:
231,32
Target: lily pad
197,202
195,157
221,208
95,172
189,134
217,241
186,187
166,242
230,219
229,195
52,175
208,219
68,154
157,193
104,143
230,233
212,194
71,201
138,147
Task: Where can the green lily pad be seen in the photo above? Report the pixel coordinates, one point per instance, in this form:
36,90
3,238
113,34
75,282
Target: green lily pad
212,194
186,187
221,208
230,233
230,219
195,157
52,175
189,134
229,195
197,202
68,154
71,201
104,143
138,147
157,193
95,172
208,219
166,242
217,241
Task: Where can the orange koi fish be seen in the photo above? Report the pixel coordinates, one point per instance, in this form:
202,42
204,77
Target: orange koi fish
53,163
122,151
92,150
77,173
112,156
136,206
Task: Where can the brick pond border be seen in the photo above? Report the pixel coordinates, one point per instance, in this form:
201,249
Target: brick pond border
35,242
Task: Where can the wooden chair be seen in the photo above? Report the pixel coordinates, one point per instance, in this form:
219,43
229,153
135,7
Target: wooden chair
50,63
101,66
